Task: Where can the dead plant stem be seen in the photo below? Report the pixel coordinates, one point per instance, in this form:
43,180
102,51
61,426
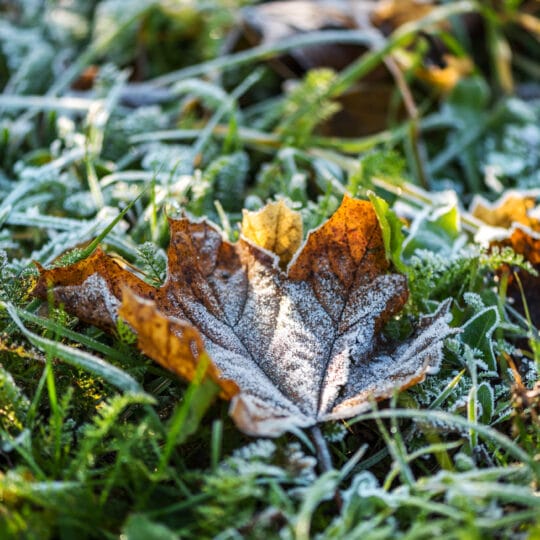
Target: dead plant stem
324,459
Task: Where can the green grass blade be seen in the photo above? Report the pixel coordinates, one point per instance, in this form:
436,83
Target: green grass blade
485,432
79,359
60,330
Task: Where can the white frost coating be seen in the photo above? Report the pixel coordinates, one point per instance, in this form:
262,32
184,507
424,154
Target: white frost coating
487,234
232,285
257,417
111,302
301,340
97,303
302,351
335,378
410,361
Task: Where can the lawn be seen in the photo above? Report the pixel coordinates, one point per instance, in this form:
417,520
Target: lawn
269,270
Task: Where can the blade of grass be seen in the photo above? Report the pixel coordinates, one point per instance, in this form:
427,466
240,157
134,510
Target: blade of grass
44,103
485,432
79,359
226,106
60,330
188,414
396,450
447,390
321,490
95,243
217,443
266,52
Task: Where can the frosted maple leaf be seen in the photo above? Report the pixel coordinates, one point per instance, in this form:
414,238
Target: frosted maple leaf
291,347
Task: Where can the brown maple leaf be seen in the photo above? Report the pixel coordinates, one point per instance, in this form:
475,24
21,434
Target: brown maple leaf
291,348
514,220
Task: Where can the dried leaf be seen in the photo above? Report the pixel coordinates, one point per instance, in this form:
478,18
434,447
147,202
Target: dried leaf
173,343
276,228
103,278
512,207
272,22
514,220
291,348
391,14
444,78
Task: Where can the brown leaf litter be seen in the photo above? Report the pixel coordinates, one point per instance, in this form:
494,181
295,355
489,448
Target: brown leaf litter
514,220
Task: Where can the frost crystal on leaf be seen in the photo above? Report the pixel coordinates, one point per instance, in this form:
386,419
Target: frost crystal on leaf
291,348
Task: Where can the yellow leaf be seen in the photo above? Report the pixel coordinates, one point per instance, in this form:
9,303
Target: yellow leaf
276,228
516,219
445,78
513,207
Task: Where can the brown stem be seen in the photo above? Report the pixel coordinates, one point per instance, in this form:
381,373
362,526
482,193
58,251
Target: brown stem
412,112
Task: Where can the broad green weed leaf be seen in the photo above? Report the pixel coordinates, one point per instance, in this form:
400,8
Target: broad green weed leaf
486,398
392,234
140,527
477,334
468,101
435,230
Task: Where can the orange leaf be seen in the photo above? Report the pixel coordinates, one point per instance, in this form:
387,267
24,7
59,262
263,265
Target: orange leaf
173,343
514,220
445,78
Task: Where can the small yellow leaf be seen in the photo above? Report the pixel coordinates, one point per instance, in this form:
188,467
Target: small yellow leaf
516,217
513,207
445,78
276,228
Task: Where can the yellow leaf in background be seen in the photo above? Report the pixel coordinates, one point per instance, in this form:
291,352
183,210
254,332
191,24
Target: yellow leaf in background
445,78
276,228
516,219
394,13
513,207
